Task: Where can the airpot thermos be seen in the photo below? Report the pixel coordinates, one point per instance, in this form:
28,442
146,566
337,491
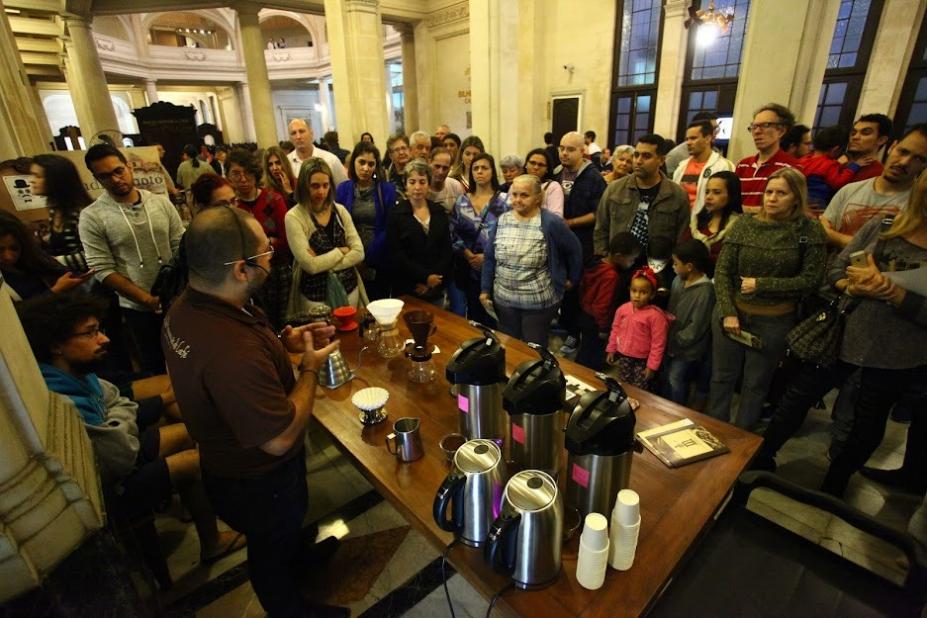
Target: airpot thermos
477,368
600,442
534,397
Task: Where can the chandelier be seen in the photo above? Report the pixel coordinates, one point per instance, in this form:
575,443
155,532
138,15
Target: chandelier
711,23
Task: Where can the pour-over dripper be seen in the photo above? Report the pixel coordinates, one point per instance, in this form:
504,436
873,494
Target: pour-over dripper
421,325
386,312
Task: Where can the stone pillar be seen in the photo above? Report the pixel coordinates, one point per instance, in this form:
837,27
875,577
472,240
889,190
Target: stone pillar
252,47
23,123
355,42
151,90
86,80
496,100
41,119
800,32
895,38
672,67
247,116
409,82
325,101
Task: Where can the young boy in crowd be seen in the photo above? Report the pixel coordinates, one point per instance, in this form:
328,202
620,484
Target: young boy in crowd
603,288
827,169
692,299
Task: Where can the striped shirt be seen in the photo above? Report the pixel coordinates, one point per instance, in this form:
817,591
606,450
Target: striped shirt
753,177
522,273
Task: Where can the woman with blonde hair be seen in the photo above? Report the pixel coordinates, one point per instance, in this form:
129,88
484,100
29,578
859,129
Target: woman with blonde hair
769,262
278,174
884,337
323,240
469,148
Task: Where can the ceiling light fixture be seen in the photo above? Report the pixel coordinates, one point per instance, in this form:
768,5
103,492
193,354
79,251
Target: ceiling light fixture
711,24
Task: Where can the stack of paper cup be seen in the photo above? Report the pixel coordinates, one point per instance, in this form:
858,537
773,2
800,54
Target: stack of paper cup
592,561
626,524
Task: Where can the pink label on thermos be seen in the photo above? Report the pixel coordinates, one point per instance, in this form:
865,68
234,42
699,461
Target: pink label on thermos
518,433
463,403
580,476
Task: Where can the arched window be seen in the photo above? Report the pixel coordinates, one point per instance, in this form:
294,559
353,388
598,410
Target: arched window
912,107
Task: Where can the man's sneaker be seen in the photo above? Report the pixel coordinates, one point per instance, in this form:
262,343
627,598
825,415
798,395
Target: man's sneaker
569,345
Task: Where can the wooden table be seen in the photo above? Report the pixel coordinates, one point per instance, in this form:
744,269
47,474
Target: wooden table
677,505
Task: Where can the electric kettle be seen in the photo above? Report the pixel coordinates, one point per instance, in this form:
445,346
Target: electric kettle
525,539
472,491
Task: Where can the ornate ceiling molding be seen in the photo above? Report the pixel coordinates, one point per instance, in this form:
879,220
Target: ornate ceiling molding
451,14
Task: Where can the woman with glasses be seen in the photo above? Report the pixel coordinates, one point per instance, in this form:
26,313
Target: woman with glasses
538,163
269,208
278,174
369,199
768,263
323,240
474,215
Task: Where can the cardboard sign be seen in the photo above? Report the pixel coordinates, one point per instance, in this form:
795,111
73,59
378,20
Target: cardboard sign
16,194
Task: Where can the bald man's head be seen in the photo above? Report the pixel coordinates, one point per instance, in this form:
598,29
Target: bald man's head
572,148
301,134
216,236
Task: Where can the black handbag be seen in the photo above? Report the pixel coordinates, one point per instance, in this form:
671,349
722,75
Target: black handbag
816,339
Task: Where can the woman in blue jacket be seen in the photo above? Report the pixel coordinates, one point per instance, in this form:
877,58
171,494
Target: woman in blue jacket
369,199
531,259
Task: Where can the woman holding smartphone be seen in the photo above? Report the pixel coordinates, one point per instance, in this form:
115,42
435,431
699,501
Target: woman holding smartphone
768,263
885,337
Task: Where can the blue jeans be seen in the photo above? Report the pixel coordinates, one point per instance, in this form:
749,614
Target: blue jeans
269,510
457,299
677,374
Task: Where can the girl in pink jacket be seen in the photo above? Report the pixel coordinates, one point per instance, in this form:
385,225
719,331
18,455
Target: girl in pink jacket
638,338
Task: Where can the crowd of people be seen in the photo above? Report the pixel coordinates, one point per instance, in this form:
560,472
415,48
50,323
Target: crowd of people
678,270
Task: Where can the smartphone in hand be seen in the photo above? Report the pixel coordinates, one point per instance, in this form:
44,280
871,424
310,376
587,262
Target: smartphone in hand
859,259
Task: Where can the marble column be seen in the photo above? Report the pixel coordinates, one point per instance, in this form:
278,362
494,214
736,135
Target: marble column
494,94
151,90
355,42
247,116
86,80
800,32
325,101
262,104
409,82
20,125
901,22
672,67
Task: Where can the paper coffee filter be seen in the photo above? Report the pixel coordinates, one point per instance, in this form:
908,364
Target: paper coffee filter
385,310
371,398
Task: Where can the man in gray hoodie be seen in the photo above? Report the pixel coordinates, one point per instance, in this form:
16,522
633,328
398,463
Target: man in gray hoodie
128,234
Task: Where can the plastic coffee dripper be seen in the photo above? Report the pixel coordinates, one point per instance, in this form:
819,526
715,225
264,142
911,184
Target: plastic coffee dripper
386,312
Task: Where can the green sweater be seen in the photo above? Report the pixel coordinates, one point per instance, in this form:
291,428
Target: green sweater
786,257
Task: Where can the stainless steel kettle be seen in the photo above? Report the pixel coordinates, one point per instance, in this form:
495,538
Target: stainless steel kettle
525,539
473,491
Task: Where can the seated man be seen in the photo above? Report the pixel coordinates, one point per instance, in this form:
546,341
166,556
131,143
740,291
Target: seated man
141,461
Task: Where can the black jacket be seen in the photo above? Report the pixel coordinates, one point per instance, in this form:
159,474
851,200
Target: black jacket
582,200
413,255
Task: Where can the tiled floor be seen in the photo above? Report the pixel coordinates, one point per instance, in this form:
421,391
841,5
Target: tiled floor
388,569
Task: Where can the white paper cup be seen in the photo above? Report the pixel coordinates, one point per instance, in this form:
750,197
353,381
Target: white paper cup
628,507
595,532
623,546
591,565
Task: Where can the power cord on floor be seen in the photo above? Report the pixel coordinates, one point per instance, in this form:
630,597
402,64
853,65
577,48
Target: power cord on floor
444,576
498,596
